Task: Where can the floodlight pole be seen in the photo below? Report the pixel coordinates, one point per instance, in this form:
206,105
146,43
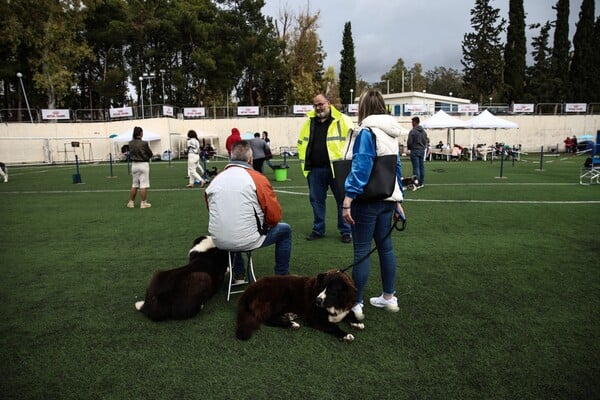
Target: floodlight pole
20,76
142,94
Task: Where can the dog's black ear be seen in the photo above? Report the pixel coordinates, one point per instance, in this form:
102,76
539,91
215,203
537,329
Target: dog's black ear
321,279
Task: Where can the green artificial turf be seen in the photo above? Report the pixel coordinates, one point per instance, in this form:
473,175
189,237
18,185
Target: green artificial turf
498,285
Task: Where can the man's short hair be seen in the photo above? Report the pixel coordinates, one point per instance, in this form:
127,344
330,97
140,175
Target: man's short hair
416,119
241,151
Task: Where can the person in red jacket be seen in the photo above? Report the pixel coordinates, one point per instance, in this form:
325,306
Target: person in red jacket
232,139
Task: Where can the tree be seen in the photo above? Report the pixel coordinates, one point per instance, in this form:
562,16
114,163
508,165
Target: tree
394,77
560,51
514,52
539,79
418,83
443,81
583,73
595,84
482,53
348,65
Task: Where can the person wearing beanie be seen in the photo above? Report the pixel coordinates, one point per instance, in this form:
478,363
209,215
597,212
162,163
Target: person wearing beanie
232,139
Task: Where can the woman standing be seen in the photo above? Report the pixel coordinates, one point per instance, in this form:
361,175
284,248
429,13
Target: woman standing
372,220
193,153
140,155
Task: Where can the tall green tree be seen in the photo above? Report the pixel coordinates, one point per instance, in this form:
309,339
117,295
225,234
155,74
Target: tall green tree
395,78
539,78
515,51
595,84
583,73
482,53
348,65
560,52
443,81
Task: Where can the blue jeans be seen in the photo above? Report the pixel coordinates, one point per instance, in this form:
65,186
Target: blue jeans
373,220
319,181
417,158
281,235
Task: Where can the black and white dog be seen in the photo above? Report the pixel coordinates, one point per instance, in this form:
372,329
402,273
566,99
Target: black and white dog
3,172
181,293
410,183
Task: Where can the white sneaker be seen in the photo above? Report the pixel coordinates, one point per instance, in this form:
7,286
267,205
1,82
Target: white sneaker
145,204
358,311
390,305
130,204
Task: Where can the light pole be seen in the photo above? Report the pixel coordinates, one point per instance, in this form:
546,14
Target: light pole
147,76
141,79
351,97
490,102
20,76
162,81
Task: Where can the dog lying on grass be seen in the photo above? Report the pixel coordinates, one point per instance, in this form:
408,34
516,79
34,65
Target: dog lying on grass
321,302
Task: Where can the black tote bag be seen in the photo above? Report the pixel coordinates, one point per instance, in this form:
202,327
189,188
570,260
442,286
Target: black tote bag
381,181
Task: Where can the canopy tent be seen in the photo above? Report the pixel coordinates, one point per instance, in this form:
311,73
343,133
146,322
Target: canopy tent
487,120
128,136
441,120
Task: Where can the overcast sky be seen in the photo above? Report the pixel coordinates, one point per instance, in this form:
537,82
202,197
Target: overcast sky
429,32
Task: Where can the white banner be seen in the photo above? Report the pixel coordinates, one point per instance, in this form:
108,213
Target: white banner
247,110
120,112
523,108
302,109
168,111
352,108
194,112
575,107
468,108
55,114
415,108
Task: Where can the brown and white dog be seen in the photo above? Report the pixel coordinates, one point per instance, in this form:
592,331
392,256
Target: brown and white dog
181,293
321,302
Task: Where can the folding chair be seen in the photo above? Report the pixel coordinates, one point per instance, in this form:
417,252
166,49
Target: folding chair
590,173
250,277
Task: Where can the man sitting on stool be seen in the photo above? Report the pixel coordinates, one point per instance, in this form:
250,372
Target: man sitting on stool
244,213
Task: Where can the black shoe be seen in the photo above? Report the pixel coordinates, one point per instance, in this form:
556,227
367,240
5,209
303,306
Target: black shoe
346,238
314,236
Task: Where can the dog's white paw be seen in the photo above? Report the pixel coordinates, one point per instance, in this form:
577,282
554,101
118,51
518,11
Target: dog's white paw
139,305
295,326
358,325
348,338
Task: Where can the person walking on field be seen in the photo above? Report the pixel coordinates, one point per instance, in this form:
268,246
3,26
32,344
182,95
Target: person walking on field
140,155
193,153
321,141
232,139
417,143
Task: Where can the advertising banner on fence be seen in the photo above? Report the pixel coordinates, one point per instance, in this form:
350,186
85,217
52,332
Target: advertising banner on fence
414,108
194,112
56,114
576,107
352,108
468,108
302,109
522,108
247,110
168,111
121,112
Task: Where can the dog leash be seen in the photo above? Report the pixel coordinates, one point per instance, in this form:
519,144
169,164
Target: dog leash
399,216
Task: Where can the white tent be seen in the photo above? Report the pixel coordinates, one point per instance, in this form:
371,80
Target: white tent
441,120
487,120
128,136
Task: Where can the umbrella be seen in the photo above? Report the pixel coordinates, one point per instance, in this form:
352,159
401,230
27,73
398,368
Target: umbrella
441,120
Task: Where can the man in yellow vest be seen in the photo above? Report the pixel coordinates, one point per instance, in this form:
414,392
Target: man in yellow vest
321,141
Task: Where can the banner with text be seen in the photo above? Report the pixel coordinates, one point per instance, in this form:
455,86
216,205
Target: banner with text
468,108
247,110
120,112
302,109
194,112
55,114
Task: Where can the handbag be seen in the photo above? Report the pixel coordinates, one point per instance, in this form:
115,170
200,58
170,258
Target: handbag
381,181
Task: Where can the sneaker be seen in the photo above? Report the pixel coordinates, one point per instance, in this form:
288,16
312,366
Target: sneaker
358,311
346,238
145,204
130,204
314,236
389,305
239,278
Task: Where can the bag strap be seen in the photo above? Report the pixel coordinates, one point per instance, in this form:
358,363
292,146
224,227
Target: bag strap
372,135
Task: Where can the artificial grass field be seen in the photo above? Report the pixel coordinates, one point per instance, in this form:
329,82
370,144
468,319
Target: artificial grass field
498,285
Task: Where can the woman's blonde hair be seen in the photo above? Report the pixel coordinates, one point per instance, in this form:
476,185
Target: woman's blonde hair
370,102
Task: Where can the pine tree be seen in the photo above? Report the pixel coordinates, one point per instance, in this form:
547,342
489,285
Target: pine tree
539,82
514,52
482,53
348,66
560,51
581,73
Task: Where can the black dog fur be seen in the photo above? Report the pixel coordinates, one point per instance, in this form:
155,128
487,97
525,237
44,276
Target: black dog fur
321,302
181,293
